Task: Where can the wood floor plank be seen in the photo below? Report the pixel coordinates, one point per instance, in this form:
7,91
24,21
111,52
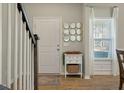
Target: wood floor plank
56,82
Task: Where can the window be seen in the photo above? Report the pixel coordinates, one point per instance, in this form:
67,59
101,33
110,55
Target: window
102,29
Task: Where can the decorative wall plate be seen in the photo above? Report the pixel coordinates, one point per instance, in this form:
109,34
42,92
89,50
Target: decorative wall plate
78,25
72,31
72,25
66,25
78,31
66,38
72,38
78,38
66,31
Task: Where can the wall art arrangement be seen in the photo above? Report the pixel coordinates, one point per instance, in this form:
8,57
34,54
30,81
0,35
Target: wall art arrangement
72,32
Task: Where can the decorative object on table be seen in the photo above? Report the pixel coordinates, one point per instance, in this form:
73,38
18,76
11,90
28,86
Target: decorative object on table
72,32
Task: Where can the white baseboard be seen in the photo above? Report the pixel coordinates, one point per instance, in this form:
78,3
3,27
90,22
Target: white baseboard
116,74
62,73
87,77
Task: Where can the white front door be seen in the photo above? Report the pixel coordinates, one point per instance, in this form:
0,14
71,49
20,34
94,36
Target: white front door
48,30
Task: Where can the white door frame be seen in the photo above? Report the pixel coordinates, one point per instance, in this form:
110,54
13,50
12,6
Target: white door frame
60,39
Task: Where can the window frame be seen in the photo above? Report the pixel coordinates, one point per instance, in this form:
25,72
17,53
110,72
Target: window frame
107,39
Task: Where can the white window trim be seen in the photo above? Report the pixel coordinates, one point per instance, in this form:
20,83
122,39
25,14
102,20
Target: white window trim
115,70
105,19
88,32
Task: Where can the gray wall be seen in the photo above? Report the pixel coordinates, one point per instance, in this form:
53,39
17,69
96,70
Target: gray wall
74,13
68,12
120,34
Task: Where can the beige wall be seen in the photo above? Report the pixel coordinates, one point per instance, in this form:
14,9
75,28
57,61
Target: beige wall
120,34
68,12
74,13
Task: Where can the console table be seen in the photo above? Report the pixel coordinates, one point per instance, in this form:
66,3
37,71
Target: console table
74,61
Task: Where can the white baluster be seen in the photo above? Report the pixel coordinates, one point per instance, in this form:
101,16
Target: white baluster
32,61
9,48
28,59
24,56
16,48
20,56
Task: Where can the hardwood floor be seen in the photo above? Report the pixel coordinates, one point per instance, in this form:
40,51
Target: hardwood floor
55,82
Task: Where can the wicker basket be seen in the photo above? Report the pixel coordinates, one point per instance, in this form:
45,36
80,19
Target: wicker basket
72,68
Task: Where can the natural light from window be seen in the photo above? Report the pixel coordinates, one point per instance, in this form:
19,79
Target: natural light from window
102,29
